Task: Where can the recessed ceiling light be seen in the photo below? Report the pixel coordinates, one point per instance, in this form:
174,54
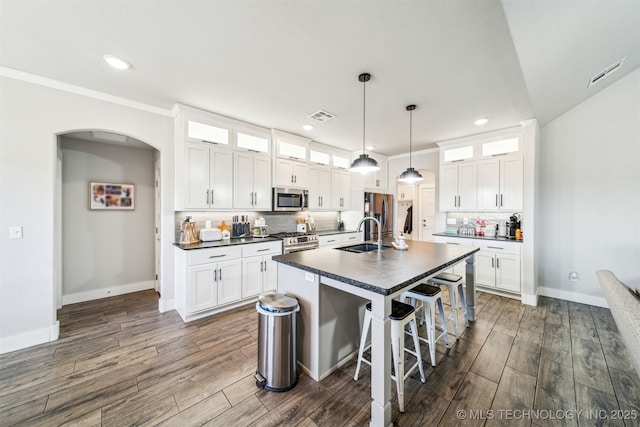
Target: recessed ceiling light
116,62
370,147
307,127
481,121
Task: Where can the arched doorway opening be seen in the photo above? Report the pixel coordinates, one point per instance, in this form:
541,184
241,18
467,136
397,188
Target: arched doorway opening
105,250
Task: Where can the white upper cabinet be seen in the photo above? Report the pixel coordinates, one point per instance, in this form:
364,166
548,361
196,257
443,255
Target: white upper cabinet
253,138
290,146
340,159
457,153
319,154
319,187
340,190
501,147
201,127
500,183
406,192
207,177
251,181
458,186
290,173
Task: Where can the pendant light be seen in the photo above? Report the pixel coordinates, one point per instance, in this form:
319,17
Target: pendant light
410,176
364,163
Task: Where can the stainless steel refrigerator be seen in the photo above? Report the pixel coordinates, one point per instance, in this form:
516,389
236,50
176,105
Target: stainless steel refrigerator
379,206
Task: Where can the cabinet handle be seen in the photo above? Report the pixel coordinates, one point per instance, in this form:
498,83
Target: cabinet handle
207,196
261,266
262,250
492,263
212,197
220,276
215,275
459,201
495,247
330,241
292,179
497,262
496,200
451,243
500,199
217,256
295,178
265,265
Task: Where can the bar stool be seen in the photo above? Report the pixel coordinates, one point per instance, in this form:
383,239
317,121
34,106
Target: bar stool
454,284
401,315
430,296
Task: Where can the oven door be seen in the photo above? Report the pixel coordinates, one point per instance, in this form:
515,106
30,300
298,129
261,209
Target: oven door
300,248
289,199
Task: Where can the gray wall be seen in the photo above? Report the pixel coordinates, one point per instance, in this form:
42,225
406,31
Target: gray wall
589,195
110,249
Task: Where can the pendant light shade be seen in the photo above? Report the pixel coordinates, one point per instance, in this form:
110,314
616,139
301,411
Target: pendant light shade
364,163
410,176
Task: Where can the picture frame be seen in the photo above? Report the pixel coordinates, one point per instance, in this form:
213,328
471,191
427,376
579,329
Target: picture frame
111,196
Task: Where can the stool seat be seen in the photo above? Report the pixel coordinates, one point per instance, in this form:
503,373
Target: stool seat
448,277
399,310
454,283
425,289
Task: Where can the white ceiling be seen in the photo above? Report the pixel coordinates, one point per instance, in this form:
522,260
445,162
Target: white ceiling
273,63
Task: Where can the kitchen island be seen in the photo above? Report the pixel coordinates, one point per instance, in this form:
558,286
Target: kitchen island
333,286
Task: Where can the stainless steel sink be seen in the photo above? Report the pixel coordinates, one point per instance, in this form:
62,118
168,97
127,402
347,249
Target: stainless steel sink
362,247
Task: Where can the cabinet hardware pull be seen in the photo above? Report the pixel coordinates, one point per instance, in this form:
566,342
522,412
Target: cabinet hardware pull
500,199
330,241
492,263
212,197
295,178
495,247
265,265
496,200
497,262
261,265
215,275
209,142
220,274
262,250
217,256
292,179
451,243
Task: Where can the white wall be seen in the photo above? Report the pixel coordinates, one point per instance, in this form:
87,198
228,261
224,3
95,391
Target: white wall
31,117
106,252
589,195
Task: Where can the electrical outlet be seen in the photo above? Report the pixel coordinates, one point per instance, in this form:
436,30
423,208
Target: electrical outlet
451,221
15,232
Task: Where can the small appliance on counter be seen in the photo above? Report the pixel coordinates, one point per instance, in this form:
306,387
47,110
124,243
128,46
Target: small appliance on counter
260,228
513,225
210,234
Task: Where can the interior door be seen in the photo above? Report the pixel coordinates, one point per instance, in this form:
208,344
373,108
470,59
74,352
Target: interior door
427,212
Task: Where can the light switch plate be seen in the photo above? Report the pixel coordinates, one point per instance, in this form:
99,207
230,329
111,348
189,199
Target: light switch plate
15,232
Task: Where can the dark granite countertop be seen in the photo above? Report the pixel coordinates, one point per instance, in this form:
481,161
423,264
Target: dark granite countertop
382,272
224,243
462,236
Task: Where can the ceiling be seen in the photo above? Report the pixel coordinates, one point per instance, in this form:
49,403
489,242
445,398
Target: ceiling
273,63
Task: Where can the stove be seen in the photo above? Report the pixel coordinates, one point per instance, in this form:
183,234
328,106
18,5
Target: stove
297,241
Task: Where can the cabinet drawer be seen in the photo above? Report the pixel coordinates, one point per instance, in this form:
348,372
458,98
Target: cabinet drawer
501,247
351,237
267,248
332,239
455,241
201,256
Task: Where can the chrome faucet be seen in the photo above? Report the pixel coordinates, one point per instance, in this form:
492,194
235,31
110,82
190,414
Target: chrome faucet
379,229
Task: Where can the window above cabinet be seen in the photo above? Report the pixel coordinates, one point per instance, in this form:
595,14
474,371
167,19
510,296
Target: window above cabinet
205,132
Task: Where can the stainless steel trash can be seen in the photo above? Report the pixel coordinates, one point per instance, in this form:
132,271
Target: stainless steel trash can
277,365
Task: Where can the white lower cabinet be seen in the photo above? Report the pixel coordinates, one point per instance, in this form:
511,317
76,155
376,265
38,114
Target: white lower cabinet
212,280
259,272
339,239
498,265
459,268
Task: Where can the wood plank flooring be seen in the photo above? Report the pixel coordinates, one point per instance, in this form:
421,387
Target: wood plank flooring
119,362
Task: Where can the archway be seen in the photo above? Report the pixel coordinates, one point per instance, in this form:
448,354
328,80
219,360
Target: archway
105,251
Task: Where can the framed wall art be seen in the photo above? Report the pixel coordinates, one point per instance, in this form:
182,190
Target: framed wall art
109,195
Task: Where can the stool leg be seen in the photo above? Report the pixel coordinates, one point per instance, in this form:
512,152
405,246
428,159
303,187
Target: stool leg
397,348
444,322
363,342
431,330
463,303
416,345
454,310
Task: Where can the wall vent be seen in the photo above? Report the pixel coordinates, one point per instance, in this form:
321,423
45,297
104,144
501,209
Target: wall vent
604,73
321,116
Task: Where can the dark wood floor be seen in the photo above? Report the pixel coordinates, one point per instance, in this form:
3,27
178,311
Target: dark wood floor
120,362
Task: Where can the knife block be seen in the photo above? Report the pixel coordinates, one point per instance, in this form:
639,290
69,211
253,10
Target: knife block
188,233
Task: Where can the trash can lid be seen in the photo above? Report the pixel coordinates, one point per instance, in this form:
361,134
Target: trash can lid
277,303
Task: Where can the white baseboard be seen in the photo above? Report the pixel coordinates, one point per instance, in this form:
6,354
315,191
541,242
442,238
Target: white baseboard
166,304
530,299
108,292
573,297
29,339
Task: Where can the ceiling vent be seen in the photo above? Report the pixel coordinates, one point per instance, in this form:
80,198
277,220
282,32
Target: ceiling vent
321,116
604,73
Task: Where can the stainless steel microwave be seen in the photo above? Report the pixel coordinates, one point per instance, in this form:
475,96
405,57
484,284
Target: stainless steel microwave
290,199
